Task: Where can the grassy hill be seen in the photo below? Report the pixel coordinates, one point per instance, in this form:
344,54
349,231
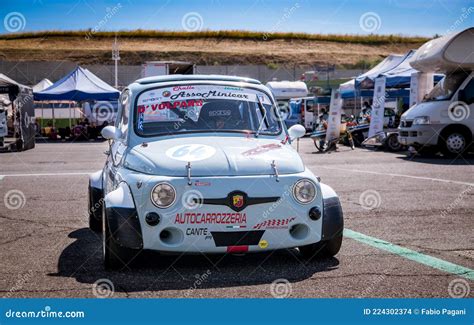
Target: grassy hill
206,47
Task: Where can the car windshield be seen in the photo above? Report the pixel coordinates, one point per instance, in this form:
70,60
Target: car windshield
205,108
446,87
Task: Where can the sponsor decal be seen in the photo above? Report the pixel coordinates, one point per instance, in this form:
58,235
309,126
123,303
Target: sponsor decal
233,88
220,113
274,224
166,93
151,99
140,122
261,149
170,105
191,152
197,232
238,200
199,183
178,88
263,244
207,94
210,218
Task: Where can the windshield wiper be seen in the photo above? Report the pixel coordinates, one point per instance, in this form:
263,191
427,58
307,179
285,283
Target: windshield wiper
264,118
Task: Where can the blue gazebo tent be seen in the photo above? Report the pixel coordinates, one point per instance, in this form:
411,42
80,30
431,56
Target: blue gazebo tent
398,76
396,69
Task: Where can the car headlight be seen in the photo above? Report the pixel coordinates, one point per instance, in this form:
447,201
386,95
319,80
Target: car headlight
304,191
421,120
163,195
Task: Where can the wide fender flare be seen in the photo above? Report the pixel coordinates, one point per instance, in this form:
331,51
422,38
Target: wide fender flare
122,218
95,180
333,218
121,197
96,194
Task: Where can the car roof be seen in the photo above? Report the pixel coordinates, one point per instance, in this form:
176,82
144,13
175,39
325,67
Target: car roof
195,77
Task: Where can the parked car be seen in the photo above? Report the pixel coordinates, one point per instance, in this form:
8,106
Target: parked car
203,164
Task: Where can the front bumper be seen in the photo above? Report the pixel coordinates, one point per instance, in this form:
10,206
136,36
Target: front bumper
419,135
211,228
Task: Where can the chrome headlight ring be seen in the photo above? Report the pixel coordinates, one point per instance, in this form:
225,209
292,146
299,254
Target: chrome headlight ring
163,195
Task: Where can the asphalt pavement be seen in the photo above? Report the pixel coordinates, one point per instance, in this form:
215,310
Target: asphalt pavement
409,233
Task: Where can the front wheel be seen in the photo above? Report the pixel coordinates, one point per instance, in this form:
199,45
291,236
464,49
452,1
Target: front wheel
95,223
326,248
455,143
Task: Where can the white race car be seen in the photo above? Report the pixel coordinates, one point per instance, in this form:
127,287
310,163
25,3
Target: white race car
204,164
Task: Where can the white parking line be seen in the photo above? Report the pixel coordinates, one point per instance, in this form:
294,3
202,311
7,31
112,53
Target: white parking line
46,174
399,175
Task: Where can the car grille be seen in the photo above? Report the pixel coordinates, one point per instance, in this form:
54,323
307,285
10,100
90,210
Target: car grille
408,134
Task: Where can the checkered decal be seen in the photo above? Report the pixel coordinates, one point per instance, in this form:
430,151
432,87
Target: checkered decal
274,223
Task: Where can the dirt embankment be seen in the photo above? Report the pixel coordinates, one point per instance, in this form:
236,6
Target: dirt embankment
200,51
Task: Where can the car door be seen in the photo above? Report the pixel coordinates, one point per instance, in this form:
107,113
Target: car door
465,109
309,114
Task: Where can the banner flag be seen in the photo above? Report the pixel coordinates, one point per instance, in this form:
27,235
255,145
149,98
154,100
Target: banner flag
334,119
378,107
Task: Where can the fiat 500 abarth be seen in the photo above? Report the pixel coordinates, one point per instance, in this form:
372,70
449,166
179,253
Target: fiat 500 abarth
204,164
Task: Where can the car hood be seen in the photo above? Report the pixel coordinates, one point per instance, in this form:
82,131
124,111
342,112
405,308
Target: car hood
214,156
433,109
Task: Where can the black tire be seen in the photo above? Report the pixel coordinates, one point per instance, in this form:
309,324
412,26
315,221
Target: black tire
319,145
95,224
393,144
322,249
115,256
455,142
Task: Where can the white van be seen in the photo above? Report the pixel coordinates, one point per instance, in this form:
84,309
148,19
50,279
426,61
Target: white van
444,120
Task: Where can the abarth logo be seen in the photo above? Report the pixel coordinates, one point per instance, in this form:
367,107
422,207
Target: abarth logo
238,200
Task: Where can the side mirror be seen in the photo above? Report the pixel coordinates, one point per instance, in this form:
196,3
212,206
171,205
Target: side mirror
110,133
296,131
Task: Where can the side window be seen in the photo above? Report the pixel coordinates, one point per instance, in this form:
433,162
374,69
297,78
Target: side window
123,118
469,92
310,105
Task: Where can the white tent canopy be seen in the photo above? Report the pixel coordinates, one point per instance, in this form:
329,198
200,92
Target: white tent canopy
42,85
366,80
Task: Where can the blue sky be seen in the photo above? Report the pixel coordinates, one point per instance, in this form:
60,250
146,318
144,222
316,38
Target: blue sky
412,17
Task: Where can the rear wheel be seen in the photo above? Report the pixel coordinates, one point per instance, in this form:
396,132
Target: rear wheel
326,248
393,144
